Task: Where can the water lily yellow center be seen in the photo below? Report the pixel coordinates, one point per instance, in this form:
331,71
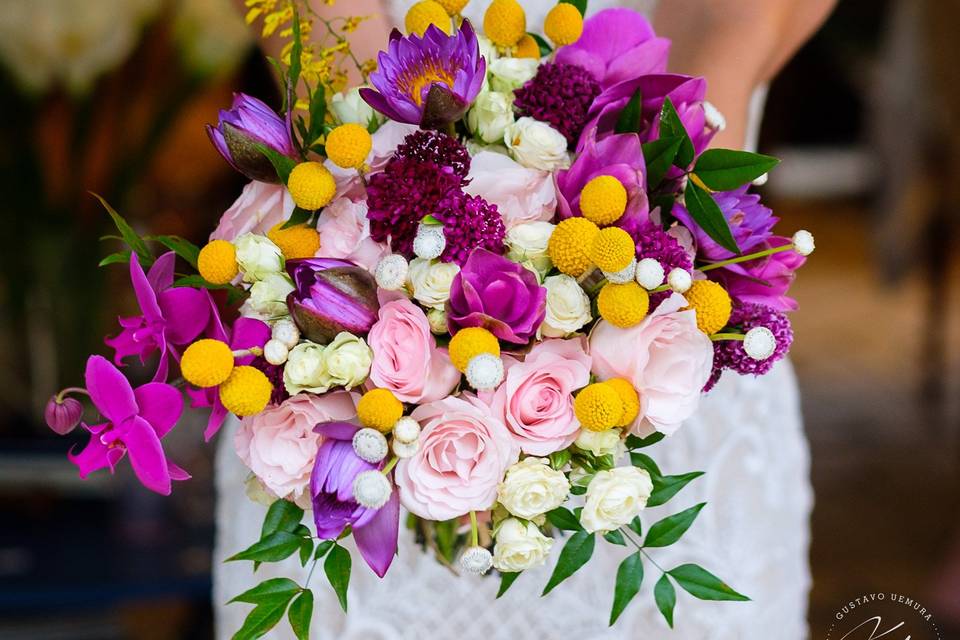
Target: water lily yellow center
416,82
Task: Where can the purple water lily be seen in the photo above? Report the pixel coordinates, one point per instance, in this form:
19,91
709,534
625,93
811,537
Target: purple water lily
334,507
137,419
246,124
331,296
751,223
172,316
428,81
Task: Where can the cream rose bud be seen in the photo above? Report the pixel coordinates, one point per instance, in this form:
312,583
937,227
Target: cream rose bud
531,487
600,443
350,107
257,257
268,297
306,369
347,360
509,74
430,281
487,49
490,115
519,545
568,307
536,144
527,242
615,497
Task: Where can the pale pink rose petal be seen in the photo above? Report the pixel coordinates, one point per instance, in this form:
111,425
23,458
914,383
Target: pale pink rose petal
261,205
521,194
345,233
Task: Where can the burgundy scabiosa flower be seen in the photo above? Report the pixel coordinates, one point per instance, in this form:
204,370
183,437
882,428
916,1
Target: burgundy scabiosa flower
729,354
429,81
469,222
436,147
248,123
560,95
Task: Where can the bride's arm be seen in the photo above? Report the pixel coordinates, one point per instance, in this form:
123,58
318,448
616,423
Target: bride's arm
737,45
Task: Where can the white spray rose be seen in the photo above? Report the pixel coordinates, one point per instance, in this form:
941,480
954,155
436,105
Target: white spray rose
615,497
350,107
527,242
347,360
487,49
519,546
601,443
490,115
306,369
568,307
509,74
536,145
430,281
531,488
268,297
257,256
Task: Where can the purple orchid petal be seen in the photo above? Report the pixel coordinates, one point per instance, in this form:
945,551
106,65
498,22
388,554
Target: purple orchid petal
95,455
377,540
218,414
247,333
146,295
160,275
176,473
160,405
186,312
109,390
146,455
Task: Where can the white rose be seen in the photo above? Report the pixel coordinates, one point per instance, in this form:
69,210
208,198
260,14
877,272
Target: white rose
528,242
257,256
509,74
615,497
531,487
536,144
347,360
306,369
431,280
268,297
519,546
490,115
350,107
601,443
568,307
487,49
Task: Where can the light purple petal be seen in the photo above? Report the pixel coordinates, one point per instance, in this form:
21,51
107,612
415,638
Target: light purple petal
377,540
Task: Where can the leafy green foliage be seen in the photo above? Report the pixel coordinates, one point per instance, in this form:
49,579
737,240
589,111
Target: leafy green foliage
507,578
130,237
283,164
545,48
629,119
282,515
629,578
636,526
672,127
615,537
667,531
272,588
559,459
644,461
323,548
298,216
659,156
337,566
300,614
666,598
120,257
563,518
575,554
271,598
665,487
180,246
707,214
273,547
702,584
636,442
726,169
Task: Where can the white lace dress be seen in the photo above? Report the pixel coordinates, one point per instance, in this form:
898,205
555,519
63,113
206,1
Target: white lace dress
754,533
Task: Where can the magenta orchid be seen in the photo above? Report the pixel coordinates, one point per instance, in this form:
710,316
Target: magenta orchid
137,419
172,316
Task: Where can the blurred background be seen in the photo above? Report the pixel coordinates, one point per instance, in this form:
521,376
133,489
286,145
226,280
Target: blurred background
110,96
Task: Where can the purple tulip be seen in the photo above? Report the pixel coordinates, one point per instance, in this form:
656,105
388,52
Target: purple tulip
498,294
250,122
331,296
63,415
334,507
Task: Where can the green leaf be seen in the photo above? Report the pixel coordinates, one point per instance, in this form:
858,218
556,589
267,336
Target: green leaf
574,555
198,281
323,547
300,613
667,531
306,550
636,442
726,169
659,155
296,53
706,213
283,164
267,590
115,258
702,584
578,490
298,216
644,461
264,617
665,487
282,515
273,547
636,525
629,119
666,598
559,459
581,5
337,566
563,518
506,579
615,537
545,48
672,127
629,577
180,246
134,241
282,79
318,113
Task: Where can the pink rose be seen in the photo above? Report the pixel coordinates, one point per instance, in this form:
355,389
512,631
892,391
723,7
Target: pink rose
406,359
345,233
666,358
521,194
464,453
279,445
535,400
260,206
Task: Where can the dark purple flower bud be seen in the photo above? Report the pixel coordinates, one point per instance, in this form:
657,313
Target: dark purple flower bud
249,123
331,296
63,415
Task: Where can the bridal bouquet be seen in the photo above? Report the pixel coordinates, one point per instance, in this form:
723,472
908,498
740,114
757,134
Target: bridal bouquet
475,288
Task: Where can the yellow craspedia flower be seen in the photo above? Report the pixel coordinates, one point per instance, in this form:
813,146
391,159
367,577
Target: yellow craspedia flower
425,13
505,22
563,24
612,249
246,392
598,407
569,244
217,262
628,396
207,363
379,409
712,304
453,7
527,48
470,342
311,185
298,241
348,145
603,200
623,305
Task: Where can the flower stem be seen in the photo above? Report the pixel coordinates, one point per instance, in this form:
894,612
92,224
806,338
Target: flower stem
310,573
641,549
750,256
390,465
474,530
727,336
65,392
663,287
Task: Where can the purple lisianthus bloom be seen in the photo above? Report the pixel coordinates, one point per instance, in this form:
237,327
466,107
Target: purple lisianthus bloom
246,124
620,156
750,222
428,81
764,281
617,45
497,294
172,316
330,296
334,506
137,419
